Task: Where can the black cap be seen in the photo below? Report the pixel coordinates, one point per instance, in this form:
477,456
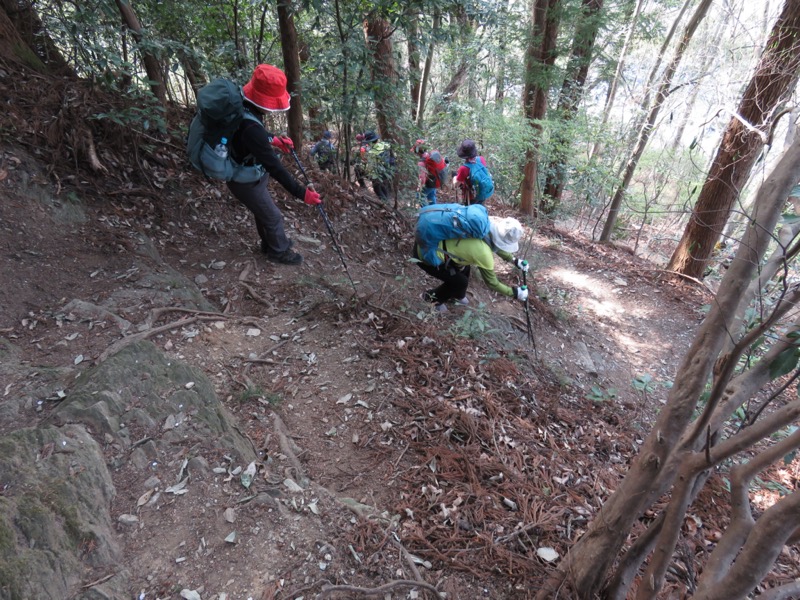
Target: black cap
467,149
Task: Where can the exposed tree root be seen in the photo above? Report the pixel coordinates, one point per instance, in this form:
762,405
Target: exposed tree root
386,588
157,313
256,296
143,335
291,450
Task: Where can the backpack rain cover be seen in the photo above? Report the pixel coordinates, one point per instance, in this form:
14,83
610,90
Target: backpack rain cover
481,180
439,222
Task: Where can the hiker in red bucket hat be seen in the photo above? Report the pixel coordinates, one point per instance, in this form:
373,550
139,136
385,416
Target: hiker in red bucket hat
253,144
267,89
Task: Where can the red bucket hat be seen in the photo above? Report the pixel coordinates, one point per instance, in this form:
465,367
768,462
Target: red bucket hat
267,89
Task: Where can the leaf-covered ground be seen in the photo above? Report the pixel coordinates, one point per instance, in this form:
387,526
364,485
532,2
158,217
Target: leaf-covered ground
444,449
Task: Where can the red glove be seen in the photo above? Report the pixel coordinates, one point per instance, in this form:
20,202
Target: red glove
284,144
312,198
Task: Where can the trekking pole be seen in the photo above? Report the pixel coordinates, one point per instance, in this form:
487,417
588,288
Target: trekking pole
327,224
528,318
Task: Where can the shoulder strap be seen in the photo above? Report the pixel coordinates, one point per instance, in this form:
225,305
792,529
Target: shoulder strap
249,119
248,116
469,168
479,167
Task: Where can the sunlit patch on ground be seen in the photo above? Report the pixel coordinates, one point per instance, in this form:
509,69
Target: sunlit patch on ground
630,344
603,301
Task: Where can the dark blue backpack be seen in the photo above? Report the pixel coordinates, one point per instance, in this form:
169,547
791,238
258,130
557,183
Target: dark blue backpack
481,180
439,222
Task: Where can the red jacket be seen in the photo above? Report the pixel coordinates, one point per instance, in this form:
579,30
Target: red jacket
430,167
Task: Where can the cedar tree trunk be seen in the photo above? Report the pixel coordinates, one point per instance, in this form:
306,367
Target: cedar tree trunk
571,93
414,72
384,76
539,60
775,77
291,64
27,27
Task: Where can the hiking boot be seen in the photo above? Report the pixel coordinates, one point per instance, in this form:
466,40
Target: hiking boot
440,308
265,249
288,257
462,301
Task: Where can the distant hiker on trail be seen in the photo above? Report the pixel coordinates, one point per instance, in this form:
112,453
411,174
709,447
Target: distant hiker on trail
473,179
359,161
456,255
325,152
379,164
432,170
252,144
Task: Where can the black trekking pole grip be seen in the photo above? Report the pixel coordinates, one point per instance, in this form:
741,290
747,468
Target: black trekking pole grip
328,224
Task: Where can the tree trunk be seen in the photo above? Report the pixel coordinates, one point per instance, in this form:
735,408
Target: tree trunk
152,65
676,435
759,541
426,73
291,65
652,78
710,55
384,76
27,26
758,555
464,68
647,128
345,30
569,98
612,87
456,81
191,76
686,111
414,72
240,57
745,136
316,124
500,82
539,59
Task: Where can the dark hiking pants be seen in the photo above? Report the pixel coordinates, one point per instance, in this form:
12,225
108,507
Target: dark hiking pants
382,187
269,220
454,278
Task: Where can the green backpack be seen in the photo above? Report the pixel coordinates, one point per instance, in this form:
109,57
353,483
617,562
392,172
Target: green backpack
220,111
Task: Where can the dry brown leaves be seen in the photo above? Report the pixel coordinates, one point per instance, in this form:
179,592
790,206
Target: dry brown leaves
500,463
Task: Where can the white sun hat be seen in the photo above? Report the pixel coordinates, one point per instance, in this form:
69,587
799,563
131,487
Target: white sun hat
506,233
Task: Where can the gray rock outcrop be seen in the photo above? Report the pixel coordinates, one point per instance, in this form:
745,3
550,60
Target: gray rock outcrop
57,533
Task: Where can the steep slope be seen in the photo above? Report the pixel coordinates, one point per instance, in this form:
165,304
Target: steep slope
436,448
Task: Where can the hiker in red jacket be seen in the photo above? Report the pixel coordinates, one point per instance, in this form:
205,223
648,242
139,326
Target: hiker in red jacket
462,183
432,170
